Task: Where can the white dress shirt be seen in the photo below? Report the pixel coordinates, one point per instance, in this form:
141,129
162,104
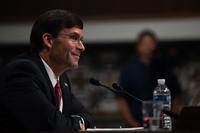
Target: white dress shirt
53,79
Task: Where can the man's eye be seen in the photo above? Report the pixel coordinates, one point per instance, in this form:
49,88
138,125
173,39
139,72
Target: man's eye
82,40
73,37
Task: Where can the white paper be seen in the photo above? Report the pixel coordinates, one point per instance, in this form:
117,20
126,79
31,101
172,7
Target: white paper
115,129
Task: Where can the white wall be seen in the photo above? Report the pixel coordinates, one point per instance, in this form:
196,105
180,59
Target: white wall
114,30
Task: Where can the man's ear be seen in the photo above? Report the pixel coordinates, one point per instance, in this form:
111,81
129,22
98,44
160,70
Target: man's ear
47,40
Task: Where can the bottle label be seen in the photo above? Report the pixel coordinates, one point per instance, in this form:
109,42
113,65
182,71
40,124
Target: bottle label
166,99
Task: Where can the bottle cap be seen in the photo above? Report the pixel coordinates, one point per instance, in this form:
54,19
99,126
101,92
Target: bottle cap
161,81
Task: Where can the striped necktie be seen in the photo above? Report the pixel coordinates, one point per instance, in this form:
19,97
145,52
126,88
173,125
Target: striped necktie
58,92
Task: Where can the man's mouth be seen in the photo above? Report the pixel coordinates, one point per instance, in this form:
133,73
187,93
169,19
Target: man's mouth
77,55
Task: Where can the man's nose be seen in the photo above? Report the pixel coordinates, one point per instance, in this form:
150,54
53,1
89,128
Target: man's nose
81,46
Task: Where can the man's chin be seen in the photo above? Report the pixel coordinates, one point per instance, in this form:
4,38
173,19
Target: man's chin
75,66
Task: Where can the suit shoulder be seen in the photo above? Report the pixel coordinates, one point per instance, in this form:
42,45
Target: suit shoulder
20,66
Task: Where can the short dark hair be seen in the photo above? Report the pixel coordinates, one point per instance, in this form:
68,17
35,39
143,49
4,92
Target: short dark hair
52,22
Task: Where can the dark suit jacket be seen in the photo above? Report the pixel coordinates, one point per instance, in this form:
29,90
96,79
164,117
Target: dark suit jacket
28,101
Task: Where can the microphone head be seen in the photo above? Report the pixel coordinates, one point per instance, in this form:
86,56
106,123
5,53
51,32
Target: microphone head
116,86
94,82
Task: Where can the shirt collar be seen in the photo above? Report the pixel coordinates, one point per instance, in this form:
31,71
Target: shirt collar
50,73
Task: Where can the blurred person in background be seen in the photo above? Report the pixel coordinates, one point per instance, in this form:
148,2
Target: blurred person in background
35,93
139,78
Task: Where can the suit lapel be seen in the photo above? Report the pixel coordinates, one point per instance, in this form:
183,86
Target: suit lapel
65,94
36,58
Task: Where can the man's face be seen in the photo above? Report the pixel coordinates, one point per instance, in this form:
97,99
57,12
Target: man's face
67,48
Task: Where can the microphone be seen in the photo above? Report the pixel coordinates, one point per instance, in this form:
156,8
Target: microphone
98,83
119,88
94,82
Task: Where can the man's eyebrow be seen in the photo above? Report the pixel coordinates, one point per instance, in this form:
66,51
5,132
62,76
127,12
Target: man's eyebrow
76,34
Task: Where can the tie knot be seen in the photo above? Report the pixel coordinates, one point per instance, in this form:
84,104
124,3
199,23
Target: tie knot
58,84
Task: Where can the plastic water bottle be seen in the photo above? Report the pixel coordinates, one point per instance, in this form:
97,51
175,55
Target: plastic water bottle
162,93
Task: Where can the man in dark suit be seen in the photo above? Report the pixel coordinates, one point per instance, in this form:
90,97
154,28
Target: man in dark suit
35,93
